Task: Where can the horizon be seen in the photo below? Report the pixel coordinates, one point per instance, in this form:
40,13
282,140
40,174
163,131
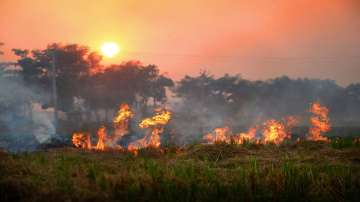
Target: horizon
106,62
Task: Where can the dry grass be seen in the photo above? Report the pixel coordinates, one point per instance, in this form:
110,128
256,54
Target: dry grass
222,172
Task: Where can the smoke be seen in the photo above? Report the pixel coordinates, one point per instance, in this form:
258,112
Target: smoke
24,122
252,103
43,120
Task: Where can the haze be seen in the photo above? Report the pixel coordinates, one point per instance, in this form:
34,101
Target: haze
258,39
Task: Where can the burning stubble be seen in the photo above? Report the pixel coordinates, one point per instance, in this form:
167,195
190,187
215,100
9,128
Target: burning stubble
155,126
275,131
272,131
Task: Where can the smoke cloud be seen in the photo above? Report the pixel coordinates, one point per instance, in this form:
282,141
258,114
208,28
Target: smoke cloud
24,122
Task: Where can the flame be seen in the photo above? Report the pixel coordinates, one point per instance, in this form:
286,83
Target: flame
81,140
161,118
121,120
277,131
249,136
157,124
222,134
274,132
219,135
320,122
121,124
101,138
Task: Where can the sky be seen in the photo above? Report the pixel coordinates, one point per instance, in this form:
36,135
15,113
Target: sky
258,39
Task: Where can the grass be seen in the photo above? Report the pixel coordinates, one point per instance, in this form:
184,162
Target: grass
306,171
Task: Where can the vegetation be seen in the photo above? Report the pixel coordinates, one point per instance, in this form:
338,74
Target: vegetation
305,171
302,171
79,73
86,90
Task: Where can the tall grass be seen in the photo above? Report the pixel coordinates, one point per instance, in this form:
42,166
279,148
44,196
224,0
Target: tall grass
199,173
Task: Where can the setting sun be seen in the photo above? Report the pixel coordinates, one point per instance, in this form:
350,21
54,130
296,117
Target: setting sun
109,49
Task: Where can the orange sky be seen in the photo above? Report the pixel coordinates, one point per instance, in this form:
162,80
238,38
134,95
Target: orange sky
258,39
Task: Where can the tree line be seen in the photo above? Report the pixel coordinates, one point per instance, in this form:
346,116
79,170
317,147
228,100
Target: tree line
201,99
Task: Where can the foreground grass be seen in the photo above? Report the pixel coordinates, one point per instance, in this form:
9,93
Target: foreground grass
306,171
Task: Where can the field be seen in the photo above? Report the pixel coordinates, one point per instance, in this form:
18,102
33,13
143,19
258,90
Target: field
304,171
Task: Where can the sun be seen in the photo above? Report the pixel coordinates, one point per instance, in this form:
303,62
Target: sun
110,49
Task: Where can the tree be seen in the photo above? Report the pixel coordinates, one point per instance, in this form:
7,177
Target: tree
130,82
73,64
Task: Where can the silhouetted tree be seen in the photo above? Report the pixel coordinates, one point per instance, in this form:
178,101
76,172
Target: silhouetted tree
73,64
130,82
236,100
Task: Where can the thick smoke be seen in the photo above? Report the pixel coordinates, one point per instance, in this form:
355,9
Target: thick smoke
254,102
25,123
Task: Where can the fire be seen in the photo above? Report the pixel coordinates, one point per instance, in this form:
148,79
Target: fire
248,136
81,140
123,117
277,131
156,124
222,134
161,118
219,135
320,122
274,132
121,124
101,138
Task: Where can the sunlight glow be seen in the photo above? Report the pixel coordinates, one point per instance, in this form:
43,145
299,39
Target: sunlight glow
110,49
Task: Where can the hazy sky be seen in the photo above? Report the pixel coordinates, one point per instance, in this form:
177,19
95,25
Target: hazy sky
258,39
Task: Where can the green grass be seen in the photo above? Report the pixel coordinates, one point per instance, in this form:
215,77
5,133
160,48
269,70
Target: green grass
307,171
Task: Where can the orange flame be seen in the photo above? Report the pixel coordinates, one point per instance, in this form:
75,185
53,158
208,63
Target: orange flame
274,132
249,136
101,138
157,124
320,122
222,134
81,140
161,118
121,124
121,120
218,135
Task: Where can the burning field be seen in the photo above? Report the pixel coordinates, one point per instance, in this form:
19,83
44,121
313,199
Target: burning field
155,126
271,132
266,162
179,100
127,132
